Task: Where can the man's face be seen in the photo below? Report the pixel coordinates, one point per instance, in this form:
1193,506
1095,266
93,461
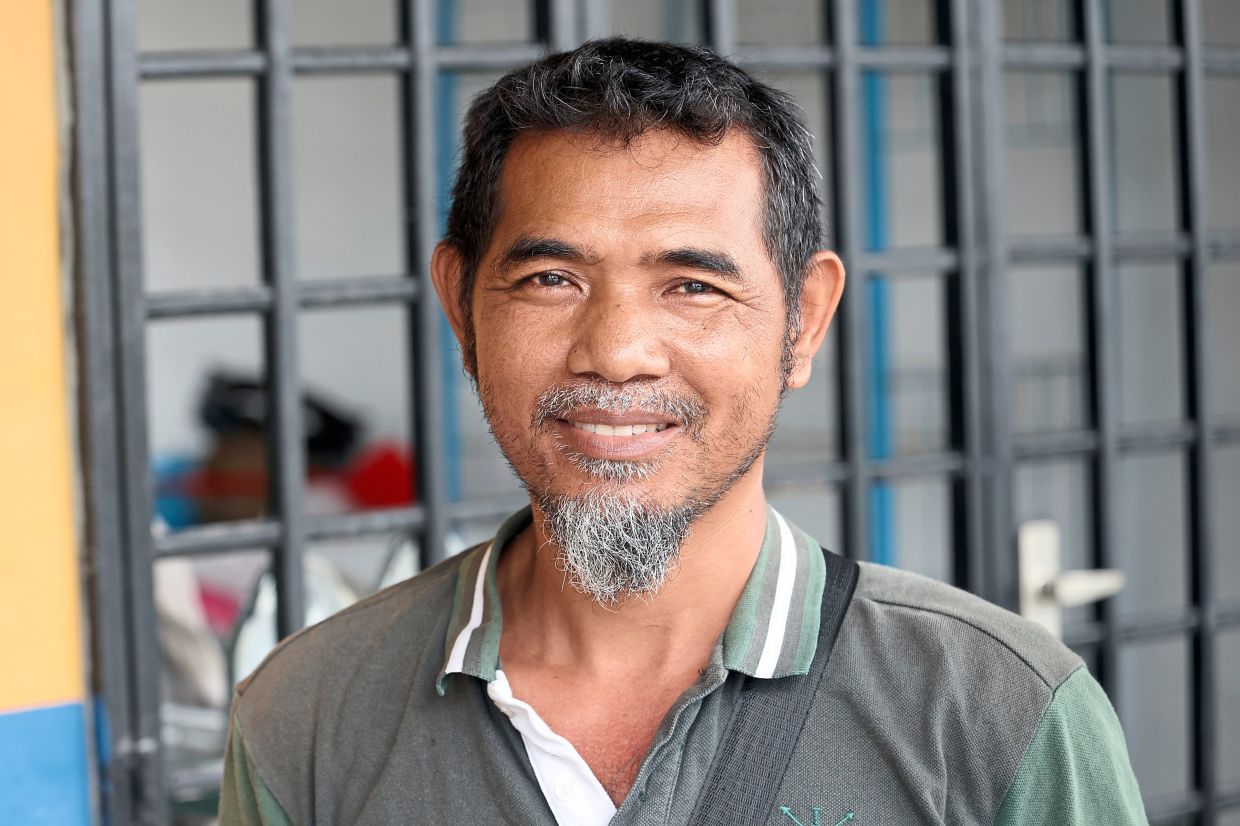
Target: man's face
629,322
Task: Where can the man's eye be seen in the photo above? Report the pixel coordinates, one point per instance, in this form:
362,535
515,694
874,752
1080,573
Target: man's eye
696,288
550,279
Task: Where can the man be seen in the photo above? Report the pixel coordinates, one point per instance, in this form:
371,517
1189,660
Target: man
633,269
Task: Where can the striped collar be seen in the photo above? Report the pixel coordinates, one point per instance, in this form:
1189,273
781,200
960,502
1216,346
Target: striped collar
773,631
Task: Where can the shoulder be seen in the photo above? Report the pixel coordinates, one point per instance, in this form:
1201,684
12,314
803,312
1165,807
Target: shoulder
958,626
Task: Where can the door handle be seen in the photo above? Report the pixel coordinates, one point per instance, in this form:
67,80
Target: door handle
1045,588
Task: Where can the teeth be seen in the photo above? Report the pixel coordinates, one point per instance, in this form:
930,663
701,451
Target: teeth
621,429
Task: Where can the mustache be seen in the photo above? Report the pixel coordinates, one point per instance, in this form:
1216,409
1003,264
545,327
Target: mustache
562,400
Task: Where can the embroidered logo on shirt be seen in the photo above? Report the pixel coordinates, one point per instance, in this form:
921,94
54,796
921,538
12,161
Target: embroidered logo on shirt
817,821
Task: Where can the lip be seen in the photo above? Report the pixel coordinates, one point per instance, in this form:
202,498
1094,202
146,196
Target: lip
617,448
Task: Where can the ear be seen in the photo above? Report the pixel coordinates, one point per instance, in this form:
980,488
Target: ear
448,273
820,296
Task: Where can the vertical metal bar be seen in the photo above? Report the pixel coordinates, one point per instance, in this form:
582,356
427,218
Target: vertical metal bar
847,175
997,579
595,18
969,561
150,805
421,233
98,417
285,442
721,25
556,24
1103,328
1193,167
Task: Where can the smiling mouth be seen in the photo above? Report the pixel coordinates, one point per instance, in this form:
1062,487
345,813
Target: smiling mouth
620,429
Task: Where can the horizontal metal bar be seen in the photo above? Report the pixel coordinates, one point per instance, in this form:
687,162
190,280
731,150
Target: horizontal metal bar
1173,806
219,537
1051,249
787,57
908,259
1227,614
1143,58
1161,624
1049,445
337,292
1221,61
1156,435
905,58
485,58
496,507
1043,56
785,475
176,65
369,522
931,464
1223,245
1160,245
207,301
1127,248
320,59
1226,430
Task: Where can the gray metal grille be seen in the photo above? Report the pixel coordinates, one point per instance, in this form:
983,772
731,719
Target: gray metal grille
967,67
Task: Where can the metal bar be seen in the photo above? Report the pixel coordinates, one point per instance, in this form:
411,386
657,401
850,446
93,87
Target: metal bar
1196,200
1047,445
1102,328
421,208
1140,627
359,524
1227,614
346,292
151,805
904,58
207,301
1221,61
786,57
595,18
1154,245
225,536
285,440
1224,245
721,25
1143,58
341,292
1043,56
312,60
561,24
201,63
496,507
846,158
1225,430
1156,435
1051,250
477,58
104,534
1173,807
907,260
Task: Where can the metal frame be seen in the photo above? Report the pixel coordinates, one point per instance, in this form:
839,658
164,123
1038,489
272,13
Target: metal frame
113,311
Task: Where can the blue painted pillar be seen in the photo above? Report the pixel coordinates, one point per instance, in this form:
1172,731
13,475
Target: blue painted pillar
445,152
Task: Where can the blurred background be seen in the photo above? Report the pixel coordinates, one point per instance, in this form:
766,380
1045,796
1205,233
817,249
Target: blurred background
1035,367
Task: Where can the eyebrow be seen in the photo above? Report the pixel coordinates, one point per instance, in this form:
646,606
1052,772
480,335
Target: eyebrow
712,261
529,248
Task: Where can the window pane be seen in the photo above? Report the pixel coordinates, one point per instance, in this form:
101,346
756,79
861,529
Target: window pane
901,22
1223,345
902,160
1042,141
814,509
1061,490
1050,369
910,526
356,372
1222,111
485,21
199,185
339,572
811,91
1227,659
192,24
1146,183
356,23
1222,24
1154,710
348,177
808,429
206,419
679,21
1039,20
908,406
1152,546
786,23
1137,21
1225,521
1151,339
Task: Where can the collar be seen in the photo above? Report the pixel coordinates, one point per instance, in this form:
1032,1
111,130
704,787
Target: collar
773,631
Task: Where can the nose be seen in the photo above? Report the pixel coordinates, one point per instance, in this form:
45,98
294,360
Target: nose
618,340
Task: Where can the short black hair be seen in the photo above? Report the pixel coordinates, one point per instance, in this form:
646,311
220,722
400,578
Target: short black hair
618,89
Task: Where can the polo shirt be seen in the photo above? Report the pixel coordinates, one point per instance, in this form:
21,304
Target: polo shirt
936,707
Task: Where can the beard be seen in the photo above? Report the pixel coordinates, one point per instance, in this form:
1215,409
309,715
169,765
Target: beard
611,544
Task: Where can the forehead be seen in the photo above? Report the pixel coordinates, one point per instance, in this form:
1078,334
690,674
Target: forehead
559,182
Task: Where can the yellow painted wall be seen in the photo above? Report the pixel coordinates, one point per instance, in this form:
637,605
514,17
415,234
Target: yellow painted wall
40,612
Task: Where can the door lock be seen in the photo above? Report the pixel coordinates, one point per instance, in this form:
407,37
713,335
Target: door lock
1045,588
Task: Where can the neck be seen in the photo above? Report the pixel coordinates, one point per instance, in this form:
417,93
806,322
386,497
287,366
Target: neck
550,624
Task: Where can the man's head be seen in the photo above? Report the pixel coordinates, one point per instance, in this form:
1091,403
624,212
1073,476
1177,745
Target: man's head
632,267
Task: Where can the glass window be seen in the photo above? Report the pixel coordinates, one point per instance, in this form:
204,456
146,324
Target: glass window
348,177
1050,368
1152,533
485,21
199,184
786,23
1042,142
356,23
1138,21
910,526
897,22
1227,667
1222,115
206,415
1039,20
191,24
1223,335
1154,708
1061,490
902,157
1144,118
1225,523
814,508
679,21
811,91
808,429
1151,342
1222,25
359,423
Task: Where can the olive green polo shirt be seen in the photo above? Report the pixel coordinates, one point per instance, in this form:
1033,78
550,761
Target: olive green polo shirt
936,707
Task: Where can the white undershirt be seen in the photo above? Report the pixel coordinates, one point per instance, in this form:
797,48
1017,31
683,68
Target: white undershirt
573,792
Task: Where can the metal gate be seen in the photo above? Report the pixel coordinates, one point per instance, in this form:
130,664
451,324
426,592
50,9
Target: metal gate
967,66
